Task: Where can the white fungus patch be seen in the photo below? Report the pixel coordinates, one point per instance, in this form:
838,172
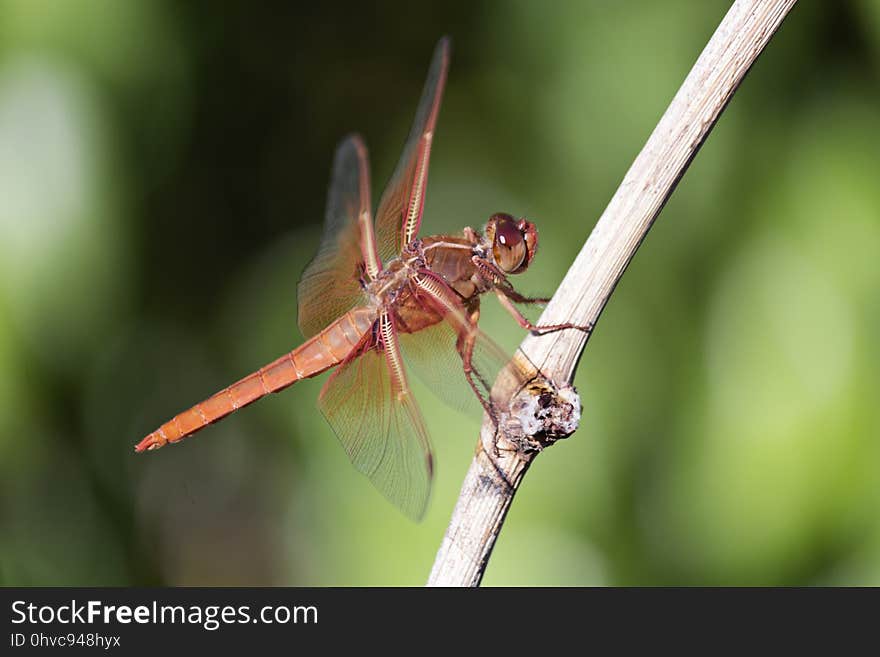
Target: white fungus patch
543,413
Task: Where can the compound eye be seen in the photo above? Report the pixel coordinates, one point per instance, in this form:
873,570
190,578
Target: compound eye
509,247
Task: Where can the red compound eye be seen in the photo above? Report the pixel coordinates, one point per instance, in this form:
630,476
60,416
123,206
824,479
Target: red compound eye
507,232
508,247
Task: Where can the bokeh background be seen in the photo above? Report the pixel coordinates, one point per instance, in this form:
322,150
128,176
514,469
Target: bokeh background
163,170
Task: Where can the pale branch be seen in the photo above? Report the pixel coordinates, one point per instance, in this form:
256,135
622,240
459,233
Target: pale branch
495,473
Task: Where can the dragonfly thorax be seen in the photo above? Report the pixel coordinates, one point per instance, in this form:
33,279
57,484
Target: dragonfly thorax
385,288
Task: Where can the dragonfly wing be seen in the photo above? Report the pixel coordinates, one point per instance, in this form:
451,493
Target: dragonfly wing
400,208
437,352
369,404
331,283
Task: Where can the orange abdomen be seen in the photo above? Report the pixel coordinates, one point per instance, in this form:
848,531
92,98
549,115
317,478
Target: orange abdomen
317,354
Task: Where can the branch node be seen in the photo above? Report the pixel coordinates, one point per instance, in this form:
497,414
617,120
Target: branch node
541,413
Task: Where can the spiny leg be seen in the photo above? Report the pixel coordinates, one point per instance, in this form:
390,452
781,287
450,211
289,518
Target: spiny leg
507,295
465,345
516,297
507,302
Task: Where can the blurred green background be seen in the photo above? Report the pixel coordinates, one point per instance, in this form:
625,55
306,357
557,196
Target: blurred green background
163,169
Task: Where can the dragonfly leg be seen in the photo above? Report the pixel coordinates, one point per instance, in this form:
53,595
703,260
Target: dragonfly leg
508,295
465,346
516,297
489,272
507,302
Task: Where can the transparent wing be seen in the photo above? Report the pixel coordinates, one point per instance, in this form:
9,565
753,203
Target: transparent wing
331,283
369,404
400,209
452,356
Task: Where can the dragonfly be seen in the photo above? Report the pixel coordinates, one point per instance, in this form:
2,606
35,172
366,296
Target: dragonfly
378,302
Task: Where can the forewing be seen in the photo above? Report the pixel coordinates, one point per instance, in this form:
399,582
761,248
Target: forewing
331,283
400,208
370,407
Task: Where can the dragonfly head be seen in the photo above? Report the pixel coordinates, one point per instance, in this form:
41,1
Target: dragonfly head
513,242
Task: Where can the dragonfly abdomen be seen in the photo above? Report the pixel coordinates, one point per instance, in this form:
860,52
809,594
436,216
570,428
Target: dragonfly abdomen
316,355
